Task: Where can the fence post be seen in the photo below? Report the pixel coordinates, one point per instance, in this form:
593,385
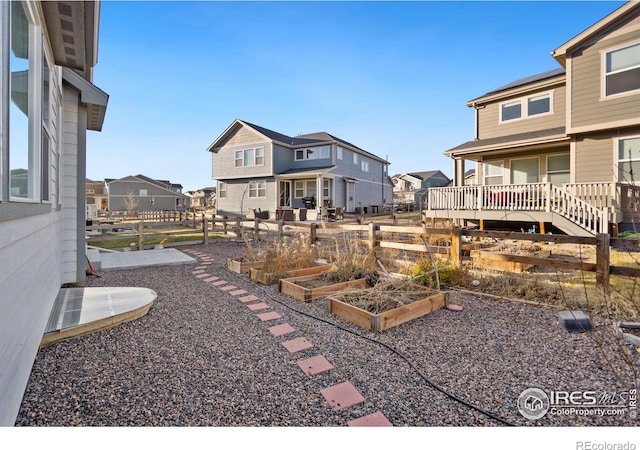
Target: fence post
205,229
602,261
256,229
238,228
140,235
280,230
456,247
312,233
372,238
224,224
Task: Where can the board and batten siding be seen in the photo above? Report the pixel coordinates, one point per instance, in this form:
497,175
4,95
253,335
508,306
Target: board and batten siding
489,125
588,107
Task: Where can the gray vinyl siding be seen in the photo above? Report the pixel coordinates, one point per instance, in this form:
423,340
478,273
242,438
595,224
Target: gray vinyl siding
223,161
282,158
588,106
163,199
238,201
489,125
594,158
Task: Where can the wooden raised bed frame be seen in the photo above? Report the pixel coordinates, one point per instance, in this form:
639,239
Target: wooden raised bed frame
433,301
237,266
291,287
501,261
260,276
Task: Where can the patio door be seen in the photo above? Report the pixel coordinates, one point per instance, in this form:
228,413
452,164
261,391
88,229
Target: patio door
285,194
524,171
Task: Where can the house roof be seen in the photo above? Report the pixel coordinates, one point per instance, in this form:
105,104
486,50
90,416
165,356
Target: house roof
549,76
529,138
304,172
602,26
470,172
159,183
428,174
302,140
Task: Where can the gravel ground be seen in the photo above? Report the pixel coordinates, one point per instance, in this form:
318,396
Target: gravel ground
202,358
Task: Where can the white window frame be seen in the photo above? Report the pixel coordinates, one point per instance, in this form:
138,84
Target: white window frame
326,188
248,157
355,158
563,171
309,153
298,185
258,189
605,74
222,189
530,158
364,165
524,106
485,171
339,152
618,160
144,193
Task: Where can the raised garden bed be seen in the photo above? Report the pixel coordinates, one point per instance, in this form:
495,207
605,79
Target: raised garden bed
500,261
381,307
260,276
240,266
309,287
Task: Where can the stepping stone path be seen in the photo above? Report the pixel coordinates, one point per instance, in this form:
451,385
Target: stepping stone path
338,397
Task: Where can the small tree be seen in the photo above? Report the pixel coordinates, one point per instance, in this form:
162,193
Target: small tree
130,203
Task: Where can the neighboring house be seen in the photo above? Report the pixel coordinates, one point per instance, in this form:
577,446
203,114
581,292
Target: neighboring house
47,105
562,147
470,177
411,188
96,198
257,168
203,198
141,193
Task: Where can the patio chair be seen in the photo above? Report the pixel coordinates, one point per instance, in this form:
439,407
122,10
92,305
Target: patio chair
339,215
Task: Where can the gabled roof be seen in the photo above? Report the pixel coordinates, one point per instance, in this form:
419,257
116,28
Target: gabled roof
549,76
601,27
302,140
159,183
428,174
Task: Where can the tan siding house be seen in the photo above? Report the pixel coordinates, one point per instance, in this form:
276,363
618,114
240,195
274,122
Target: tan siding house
560,149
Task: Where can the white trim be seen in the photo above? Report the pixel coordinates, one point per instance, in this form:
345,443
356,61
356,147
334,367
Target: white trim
524,106
603,72
616,160
547,172
537,158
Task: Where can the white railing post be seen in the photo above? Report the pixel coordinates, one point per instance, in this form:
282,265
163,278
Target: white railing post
548,193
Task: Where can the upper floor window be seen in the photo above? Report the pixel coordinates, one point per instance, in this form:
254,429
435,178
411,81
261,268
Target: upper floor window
355,158
364,166
222,189
313,153
143,193
249,157
629,160
340,152
622,70
526,107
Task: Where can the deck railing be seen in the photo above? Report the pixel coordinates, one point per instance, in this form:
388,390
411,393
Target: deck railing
584,204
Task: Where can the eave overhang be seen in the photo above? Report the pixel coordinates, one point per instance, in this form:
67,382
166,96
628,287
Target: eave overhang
91,96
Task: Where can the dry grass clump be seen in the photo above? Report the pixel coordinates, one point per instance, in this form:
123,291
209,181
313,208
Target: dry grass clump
384,296
290,254
436,274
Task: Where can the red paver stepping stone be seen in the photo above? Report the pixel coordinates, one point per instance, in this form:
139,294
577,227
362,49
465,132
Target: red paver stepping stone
297,345
279,330
196,272
315,365
377,419
257,306
238,292
208,263
269,316
248,298
229,287
203,275
342,396
200,268
210,279
218,283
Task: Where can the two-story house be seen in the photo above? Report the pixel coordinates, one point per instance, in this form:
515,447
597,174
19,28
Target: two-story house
560,148
141,193
410,189
260,169
47,103
203,198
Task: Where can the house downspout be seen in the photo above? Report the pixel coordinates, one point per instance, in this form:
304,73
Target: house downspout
4,103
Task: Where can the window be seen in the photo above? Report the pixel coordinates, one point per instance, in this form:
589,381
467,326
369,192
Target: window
340,153
249,157
524,171
355,158
622,70
629,160
364,166
91,191
222,189
326,188
525,107
493,172
558,169
257,189
143,193
304,188
322,152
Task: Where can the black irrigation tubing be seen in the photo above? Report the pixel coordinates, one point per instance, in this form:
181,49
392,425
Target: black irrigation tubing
388,347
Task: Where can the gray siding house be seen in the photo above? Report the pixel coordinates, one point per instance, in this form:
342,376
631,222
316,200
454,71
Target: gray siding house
410,189
48,102
260,169
146,194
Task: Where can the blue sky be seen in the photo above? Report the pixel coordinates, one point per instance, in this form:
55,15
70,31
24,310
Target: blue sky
390,77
